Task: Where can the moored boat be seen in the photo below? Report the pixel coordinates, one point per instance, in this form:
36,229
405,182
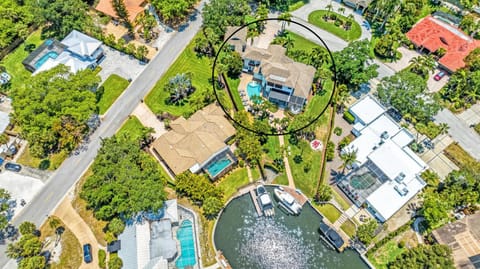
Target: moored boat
265,201
287,201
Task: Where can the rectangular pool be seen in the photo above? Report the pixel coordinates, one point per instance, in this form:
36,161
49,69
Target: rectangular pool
218,166
44,58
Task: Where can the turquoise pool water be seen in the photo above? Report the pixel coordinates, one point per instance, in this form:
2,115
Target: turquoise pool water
253,88
187,245
216,167
44,58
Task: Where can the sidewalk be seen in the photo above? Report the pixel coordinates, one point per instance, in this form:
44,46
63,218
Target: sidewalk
291,182
79,228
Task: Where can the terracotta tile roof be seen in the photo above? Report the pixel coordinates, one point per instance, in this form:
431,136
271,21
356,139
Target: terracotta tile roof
134,7
433,34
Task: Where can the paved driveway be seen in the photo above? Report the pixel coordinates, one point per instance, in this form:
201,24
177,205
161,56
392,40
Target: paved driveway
471,116
433,85
20,187
116,62
148,119
403,62
461,132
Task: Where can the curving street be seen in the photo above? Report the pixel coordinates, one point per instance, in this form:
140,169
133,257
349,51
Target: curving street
72,168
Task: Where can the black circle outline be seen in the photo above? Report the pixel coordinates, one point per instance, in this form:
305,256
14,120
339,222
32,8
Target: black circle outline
283,133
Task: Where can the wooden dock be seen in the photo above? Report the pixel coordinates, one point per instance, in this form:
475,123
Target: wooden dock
223,261
255,202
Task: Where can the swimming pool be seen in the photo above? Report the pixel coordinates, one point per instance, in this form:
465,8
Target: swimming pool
187,245
44,58
253,88
217,166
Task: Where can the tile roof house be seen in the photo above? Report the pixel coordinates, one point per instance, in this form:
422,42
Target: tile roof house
386,173
77,50
197,143
134,8
463,237
431,33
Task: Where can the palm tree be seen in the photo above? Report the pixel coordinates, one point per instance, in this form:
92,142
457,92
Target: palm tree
288,43
341,10
318,56
422,65
286,17
348,158
443,127
329,8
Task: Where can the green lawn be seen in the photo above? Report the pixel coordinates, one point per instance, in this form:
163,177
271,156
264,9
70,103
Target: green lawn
255,173
186,62
305,180
385,254
329,211
344,204
52,162
232,181
132,127
281,179
301,43
113,87
272,148
316,18
348,227
297,5
13,61
460,157
233,84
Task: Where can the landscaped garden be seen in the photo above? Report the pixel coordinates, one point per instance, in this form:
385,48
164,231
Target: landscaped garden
344,27
349,228
187,62
13,61
231,182
110,90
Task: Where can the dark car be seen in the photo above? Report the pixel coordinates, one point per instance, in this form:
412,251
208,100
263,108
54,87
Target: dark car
13,167
87,253
439,76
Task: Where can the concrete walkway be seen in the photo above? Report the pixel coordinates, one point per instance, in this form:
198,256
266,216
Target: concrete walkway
249,173
291,182
148,119
79,228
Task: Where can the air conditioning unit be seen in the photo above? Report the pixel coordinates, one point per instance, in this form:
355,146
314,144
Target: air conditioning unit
400,177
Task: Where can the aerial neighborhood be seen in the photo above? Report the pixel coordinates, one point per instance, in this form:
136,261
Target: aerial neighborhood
192,134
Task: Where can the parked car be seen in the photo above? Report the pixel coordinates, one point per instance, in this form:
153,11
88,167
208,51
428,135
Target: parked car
439,76
87,253
13,167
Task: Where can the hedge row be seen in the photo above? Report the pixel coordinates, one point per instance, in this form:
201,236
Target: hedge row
389,237
348,117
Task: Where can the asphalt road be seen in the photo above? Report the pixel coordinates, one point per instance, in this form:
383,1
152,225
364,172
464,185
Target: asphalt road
461,132
72,169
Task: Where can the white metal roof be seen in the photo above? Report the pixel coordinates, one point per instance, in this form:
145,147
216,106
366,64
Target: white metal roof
386,201
81,43
4,121
403,138
143,243
367,109
66,58
171,210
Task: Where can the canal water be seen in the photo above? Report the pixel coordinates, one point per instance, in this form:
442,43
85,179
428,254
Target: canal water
284,241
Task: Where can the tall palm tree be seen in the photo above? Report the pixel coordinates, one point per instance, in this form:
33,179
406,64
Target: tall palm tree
287,17
443,127
422,65
341,10
348,158
318,56
329,8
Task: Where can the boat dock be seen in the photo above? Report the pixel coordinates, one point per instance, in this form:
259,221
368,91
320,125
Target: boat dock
223,261
255,202
334,238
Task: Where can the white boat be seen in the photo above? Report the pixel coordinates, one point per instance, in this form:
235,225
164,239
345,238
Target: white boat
265,201
287,201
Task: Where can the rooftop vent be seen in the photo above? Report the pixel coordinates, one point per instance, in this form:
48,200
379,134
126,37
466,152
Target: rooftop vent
400,177
384,135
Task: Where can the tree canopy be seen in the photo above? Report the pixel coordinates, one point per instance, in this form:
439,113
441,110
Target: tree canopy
407,92
125,181
173,11
14,21
197,187
351,64
366,232
53,108
218,14
27,251
4,195
62,16
424,256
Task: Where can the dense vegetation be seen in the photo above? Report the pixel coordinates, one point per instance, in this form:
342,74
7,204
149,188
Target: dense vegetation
173,11
53,107
125,181
27,249
407,92
218,14
424,256
366,232
14,21
5,196
463,88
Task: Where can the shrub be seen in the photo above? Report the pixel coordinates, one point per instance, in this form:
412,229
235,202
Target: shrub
338,23
337,131
477,128
330,151
344,142
348,117
401,244
102,259
389,237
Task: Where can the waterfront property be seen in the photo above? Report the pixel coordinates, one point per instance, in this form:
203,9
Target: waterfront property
280,241
155,240
276,77
431,33
198,144
463,237
386,173
78,51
